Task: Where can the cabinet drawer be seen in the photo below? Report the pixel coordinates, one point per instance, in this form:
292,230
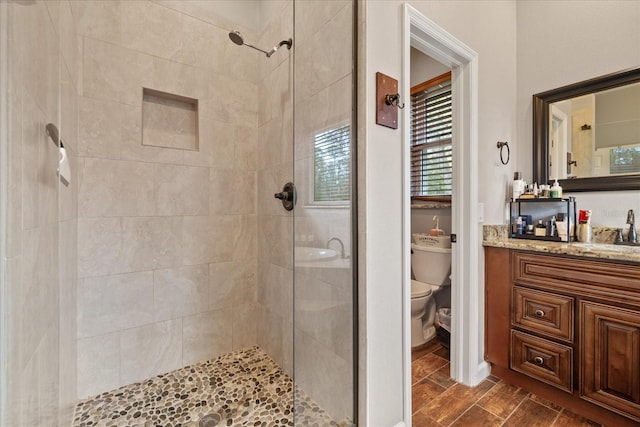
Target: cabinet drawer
543,312
543,360
588,278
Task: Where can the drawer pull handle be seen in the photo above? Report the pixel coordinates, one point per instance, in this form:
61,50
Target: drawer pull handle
538,360
539,313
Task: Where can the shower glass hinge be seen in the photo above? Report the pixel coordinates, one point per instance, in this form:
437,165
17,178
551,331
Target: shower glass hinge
454,238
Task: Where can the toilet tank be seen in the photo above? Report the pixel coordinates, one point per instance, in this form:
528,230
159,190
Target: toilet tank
431,265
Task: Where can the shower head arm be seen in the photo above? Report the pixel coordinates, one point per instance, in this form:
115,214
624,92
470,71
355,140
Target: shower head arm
288,43
257,48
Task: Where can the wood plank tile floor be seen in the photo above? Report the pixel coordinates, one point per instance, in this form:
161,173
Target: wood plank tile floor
438,401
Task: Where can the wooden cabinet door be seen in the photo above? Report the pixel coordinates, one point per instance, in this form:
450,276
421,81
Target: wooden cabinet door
610,358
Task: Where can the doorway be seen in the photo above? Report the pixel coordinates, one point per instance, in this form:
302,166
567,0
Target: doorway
467,366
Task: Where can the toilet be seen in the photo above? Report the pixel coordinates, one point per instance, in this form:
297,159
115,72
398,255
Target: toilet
431,267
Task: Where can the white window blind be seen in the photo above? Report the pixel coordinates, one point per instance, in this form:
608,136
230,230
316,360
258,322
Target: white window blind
624,160
332,159
431,127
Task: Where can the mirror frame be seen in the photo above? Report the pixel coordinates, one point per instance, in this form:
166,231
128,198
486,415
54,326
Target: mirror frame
541,103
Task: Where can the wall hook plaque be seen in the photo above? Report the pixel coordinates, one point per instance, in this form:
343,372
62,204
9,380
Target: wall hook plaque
387,112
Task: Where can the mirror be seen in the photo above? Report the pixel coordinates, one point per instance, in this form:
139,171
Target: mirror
587,134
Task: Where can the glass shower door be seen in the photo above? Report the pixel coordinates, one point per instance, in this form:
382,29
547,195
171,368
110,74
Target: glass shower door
324,250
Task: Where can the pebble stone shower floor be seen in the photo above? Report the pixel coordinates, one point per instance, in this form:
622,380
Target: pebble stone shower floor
243,388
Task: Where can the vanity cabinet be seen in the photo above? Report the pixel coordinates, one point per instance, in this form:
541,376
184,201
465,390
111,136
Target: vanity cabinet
610,357
567,329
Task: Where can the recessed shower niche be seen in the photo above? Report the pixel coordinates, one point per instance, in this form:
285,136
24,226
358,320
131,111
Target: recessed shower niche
169,120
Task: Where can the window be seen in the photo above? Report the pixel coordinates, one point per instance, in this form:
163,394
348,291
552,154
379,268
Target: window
624,160
431,127
331,166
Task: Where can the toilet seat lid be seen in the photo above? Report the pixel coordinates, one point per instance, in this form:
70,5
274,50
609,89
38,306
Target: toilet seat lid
420,289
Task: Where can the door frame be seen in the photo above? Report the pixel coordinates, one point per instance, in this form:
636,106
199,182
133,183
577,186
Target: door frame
467,300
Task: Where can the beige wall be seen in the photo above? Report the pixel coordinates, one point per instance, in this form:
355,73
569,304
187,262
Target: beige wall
166,237
563,42
40,249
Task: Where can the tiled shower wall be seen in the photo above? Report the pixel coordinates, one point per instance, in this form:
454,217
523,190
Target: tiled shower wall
40,249
167,238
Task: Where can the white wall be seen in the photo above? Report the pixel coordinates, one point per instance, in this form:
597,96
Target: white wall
488,28
424,68
563,42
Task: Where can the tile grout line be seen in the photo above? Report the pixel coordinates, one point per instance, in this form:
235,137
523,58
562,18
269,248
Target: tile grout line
474,404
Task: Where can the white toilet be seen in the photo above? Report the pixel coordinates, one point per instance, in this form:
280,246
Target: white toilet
431,267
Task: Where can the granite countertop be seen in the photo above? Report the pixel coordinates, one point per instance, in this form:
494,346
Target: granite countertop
497,236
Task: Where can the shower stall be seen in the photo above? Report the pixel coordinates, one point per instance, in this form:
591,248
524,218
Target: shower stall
159,250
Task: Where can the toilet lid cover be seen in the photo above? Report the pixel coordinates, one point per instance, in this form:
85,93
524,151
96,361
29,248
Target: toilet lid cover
419,289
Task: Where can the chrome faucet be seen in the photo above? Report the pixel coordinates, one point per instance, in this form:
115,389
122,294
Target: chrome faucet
631,220
342,255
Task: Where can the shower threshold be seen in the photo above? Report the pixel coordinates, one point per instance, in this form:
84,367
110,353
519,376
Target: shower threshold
243,388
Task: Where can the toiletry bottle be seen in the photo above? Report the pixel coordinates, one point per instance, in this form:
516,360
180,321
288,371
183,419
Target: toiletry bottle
551,227
556,190
541,229
518,186
519,225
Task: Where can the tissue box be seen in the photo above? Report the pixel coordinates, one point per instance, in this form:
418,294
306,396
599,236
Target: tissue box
424,239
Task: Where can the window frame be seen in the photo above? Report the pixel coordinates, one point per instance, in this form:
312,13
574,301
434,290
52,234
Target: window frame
312,202
415,90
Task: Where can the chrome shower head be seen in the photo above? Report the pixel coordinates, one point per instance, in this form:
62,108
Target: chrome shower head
237,38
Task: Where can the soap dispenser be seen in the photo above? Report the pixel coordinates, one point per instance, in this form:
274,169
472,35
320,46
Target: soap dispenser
556,190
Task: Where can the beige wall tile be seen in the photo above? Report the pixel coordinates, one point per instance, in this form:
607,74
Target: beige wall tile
232,192
318,67
180,79
112,303
245,240
132,147
69,42
234,92
207,335
208,239
114,73
152,242
98,364
312,359
150,28
180,292
116,188
150,350
245,325
181,190
98,19
231,284
100,128
270,334
99,246
245,148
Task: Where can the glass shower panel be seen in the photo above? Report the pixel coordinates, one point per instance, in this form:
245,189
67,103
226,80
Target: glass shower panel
323,248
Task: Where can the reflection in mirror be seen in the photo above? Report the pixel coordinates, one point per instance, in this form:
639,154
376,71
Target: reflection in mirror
596,134
587,134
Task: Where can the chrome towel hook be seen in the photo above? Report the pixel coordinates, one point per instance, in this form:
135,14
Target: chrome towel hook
501,145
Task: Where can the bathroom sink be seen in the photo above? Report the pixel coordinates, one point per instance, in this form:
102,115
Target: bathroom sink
305,254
